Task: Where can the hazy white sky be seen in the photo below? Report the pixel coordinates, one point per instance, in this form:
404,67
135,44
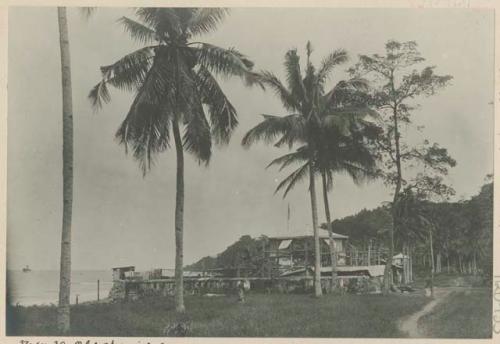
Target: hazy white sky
121,218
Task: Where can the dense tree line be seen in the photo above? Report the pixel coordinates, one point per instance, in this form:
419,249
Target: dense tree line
462,237
462,232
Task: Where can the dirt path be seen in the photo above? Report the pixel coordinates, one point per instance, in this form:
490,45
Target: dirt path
409,325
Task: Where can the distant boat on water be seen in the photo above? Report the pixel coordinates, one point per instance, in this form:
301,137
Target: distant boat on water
26,269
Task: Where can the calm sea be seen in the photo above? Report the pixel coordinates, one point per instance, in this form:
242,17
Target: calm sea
41,287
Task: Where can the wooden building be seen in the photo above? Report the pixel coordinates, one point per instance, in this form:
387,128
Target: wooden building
289,253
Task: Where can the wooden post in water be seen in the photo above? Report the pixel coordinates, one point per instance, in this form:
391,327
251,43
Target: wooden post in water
76,299
97,290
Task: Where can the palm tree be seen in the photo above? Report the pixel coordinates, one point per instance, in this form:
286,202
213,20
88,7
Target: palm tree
175,86
313,112
63,318
339,152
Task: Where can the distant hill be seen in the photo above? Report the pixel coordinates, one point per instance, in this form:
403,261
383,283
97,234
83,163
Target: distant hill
364,226
247,251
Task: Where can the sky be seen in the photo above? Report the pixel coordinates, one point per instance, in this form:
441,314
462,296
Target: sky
121,218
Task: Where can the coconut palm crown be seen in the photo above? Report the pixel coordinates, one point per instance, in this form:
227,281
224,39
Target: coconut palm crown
173,78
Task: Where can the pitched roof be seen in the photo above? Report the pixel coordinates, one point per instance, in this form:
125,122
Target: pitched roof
303,236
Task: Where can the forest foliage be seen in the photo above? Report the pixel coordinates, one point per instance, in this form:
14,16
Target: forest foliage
462,229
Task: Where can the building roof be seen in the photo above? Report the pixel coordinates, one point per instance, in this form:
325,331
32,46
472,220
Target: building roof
290,237
126,268
371,270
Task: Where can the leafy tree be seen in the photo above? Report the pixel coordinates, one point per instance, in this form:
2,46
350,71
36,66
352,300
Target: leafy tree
484,239
396,84
174,81
317,117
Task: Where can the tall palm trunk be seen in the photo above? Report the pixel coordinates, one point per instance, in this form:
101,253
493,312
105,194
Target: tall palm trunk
388,266
63,318
179,219
333,257
317,249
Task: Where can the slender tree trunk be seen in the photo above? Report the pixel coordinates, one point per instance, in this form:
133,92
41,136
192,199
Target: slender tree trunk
388,266
317,252
405,264
306,258
447,261
333,257
63,318
474,263
179,219
369,259
411,262
432,261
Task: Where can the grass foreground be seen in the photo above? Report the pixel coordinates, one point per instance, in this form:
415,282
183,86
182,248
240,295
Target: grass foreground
463,314
262,315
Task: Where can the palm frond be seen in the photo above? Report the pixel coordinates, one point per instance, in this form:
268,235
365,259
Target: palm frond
273,126
223,62
296,176
205,20
287,99
222,113
294,76
164,21
160,82
138,31
333,59
353,92
337,123
146,131
300,155
310,84
99,94
197,140
358,174
296,133
128,73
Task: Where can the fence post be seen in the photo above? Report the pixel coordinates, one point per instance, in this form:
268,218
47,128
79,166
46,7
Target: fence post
97,290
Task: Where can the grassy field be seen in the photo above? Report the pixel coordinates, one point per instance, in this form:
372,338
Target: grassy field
464,314
275,315
452,280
